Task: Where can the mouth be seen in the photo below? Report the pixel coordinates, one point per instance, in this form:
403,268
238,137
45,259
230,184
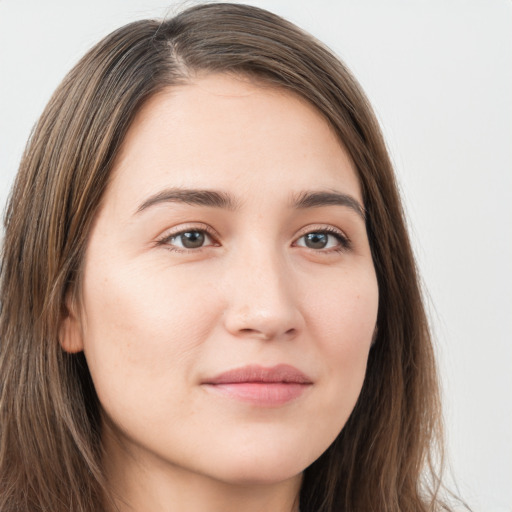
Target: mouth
261,386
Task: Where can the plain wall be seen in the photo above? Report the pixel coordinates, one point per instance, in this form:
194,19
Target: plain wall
439,74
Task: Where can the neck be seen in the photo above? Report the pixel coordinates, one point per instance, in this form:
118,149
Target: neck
141,481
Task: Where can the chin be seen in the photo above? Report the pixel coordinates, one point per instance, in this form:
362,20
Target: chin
263,475
263,466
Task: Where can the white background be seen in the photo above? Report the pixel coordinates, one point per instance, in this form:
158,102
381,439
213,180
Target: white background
439,73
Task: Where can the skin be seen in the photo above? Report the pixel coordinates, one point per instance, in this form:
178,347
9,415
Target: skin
156,319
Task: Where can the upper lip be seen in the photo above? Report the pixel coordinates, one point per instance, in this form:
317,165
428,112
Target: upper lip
283,373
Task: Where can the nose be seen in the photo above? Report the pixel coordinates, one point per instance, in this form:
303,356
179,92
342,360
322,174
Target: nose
262,299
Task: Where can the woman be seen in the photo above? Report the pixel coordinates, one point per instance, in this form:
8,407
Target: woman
209,299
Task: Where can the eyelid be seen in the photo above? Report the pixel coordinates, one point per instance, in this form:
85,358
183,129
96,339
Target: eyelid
163,239
345,242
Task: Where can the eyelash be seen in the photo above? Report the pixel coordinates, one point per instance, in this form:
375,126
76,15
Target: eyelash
344,242
168,237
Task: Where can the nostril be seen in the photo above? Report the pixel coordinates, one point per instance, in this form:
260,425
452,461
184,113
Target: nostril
267,334
268,322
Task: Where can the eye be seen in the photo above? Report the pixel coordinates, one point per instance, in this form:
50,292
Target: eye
188,239
323,240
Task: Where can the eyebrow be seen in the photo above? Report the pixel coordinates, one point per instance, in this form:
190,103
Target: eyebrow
223,200
209,198
328,198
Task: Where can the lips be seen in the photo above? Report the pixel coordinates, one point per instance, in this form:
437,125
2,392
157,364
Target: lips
258,385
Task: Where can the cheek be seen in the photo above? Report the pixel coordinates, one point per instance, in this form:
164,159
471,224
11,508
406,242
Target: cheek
141,332
344,318
344,312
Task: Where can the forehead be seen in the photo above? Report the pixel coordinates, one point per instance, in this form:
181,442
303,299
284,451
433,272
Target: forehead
223,131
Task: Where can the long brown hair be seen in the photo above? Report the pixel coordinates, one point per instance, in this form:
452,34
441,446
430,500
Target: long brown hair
50,446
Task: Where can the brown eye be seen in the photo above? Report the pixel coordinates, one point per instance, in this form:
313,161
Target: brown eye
321,240
316,240
193,239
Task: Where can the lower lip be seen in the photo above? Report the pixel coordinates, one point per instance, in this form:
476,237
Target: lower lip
264,394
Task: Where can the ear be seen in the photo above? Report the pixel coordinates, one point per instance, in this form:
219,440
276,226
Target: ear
70,330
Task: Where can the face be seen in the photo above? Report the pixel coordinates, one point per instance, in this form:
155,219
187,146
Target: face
229,296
